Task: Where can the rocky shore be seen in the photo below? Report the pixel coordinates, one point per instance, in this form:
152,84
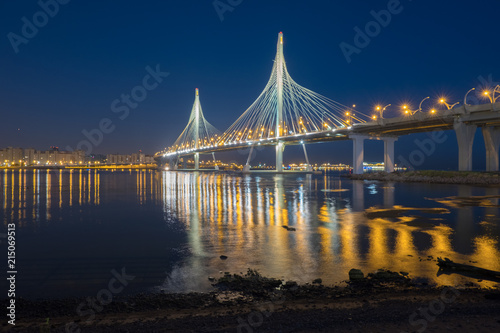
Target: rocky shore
430,176
382,301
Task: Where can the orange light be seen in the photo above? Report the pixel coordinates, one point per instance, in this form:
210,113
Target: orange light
374,117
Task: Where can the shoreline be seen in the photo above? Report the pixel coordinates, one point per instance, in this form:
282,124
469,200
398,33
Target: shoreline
382,301
78,167
433,177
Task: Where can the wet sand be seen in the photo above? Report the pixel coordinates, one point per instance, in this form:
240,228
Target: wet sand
248,304
431,176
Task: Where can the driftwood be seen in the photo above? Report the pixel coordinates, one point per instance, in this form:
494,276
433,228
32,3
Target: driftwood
447,266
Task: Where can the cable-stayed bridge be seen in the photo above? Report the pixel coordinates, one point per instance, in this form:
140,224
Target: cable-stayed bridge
286,113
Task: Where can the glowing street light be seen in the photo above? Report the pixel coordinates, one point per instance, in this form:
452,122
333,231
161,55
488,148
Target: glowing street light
407,109
381,110
465,98
448,106
487,94
493,96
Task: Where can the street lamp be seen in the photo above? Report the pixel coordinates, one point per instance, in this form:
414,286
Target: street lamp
408,111
487,94
381,110
465,98
448,106
420,105
494,96
349,117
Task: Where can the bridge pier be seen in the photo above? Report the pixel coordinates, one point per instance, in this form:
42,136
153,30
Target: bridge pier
279,156
309,166
465,138
357,153
389,154
246,168
197,161
491,137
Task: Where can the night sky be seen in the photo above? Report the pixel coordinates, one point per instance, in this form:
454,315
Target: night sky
64,78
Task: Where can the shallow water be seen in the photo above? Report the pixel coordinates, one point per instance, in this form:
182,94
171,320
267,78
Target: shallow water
168,229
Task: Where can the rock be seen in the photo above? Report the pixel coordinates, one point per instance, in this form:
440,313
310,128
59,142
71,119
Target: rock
211,278
223,257
291,285
356,275
317,281
404,273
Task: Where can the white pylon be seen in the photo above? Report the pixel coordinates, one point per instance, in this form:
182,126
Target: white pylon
197,108
280,63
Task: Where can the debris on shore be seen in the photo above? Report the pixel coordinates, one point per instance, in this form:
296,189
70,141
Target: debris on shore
433,176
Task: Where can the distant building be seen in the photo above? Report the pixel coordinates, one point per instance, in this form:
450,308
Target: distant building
11,156
136,158
31,157
54,157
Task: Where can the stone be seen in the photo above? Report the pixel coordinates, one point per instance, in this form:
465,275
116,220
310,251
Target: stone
356,275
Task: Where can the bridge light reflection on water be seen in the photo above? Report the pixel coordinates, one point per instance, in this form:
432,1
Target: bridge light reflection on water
242,217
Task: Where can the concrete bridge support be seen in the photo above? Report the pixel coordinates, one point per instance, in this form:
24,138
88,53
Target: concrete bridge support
197,161
465,138
309,166
389,153
491,137
357,153
280,147
246,168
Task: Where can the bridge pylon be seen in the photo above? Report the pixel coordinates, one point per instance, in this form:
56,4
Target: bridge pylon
280,70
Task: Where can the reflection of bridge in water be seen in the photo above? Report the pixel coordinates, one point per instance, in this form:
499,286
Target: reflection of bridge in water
286,113
242,217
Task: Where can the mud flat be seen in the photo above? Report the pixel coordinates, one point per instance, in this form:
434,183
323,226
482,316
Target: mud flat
431,176
382,301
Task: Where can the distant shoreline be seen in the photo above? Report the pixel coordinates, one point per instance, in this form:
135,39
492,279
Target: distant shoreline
69,167
433,176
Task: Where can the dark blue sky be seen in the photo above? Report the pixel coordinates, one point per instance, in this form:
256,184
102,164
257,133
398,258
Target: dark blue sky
65,78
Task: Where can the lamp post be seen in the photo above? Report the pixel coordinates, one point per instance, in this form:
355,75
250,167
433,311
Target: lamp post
349,117
408,111
381,110
420,105
494,96
448,106
465,97
487,94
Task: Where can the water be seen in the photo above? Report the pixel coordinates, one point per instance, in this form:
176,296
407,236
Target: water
168,229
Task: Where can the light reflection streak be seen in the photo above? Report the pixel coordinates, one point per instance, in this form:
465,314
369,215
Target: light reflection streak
330,233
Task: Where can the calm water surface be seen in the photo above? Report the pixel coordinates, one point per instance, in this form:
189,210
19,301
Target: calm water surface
168,229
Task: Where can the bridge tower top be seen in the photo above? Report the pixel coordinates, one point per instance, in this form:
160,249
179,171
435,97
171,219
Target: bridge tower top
280,70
